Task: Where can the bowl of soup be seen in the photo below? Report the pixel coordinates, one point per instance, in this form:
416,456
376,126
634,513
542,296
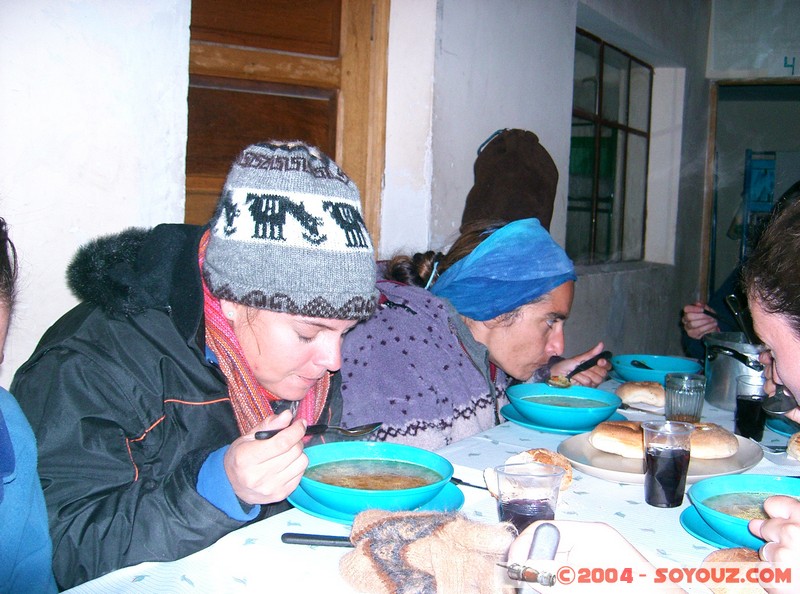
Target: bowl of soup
350,477
660,365
728,503
572,408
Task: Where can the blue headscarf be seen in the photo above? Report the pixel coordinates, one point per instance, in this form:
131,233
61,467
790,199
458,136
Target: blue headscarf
511,267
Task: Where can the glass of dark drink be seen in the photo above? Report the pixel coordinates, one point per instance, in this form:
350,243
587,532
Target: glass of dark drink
667,449
527,492
749,416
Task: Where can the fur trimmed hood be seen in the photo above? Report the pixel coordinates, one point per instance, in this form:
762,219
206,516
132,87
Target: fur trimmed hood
101,271
137,269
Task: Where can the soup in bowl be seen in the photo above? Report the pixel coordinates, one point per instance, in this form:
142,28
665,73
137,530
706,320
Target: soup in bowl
350,477
728,503
572,408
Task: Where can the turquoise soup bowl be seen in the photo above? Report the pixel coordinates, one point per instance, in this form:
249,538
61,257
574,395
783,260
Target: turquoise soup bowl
731,527
661,364
528,402
350,500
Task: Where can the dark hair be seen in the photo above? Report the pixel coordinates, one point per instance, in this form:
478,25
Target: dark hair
771,274
8,267
418,269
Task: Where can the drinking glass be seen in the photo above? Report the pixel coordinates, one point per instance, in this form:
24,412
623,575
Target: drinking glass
685,393
527,492
667,446
749,416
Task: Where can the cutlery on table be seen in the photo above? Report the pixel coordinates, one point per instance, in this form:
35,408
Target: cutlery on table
563,381
322,540
359,431
458,481
770,448
626,406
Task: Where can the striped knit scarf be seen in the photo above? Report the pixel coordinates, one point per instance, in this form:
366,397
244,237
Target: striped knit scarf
250,400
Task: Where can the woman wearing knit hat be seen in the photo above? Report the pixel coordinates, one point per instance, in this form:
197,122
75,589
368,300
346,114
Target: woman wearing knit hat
436,362
146,396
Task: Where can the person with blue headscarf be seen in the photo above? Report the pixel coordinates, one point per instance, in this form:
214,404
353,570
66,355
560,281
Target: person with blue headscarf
453,331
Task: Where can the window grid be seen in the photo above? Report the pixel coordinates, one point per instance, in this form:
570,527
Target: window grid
610,141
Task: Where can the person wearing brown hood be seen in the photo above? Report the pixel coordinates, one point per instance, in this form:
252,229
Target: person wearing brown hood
515,178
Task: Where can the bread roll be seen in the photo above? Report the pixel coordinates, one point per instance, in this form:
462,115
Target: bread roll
539,455
739,555
710,442
624,438
651,393
793,446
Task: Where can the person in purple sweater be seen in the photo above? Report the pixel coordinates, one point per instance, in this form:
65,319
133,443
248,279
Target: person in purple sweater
453,331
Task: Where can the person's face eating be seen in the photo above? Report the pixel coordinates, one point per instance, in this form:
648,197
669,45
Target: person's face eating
287,353
521,342
777,334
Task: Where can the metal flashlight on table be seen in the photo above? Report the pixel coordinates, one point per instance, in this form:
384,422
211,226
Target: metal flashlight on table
543,548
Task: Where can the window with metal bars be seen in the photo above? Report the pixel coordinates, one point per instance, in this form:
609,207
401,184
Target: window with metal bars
607,202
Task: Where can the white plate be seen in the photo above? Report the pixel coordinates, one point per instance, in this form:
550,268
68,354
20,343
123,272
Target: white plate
612,467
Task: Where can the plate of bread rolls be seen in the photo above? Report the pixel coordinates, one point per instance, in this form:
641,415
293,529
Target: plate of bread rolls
614,451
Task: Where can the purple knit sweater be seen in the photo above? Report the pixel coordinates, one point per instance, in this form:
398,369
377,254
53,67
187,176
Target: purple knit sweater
415,366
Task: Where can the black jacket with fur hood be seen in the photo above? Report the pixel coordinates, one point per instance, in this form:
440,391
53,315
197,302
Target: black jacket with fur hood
126,408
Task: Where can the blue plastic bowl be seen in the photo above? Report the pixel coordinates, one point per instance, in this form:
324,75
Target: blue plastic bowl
352,501
661,364
554,416
731,527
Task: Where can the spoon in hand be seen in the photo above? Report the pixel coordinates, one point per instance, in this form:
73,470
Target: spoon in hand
563,381
779,404
319,429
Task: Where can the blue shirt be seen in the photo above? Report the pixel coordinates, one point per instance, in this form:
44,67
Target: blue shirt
25,546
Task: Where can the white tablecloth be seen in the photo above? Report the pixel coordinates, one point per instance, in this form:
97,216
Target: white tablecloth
253,559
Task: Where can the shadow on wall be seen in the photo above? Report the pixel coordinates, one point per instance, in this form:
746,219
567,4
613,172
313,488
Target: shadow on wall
632,308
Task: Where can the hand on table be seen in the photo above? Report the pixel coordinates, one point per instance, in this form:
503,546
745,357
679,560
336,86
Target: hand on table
592,377
696,322
591,545
782,533
266,471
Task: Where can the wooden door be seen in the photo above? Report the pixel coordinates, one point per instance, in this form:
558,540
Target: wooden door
313,70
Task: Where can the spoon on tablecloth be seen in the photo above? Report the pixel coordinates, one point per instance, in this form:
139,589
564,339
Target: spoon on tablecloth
564,381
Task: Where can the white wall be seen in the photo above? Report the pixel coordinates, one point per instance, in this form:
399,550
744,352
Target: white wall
499,64
406,201
93,119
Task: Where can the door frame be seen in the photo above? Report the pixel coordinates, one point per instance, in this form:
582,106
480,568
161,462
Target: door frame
708,233
358,75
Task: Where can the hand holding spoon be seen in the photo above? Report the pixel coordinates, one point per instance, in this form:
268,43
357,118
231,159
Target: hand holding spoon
563,381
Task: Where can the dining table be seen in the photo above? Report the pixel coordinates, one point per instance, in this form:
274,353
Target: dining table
255,559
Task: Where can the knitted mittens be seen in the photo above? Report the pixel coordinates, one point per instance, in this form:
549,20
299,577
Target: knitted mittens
426,552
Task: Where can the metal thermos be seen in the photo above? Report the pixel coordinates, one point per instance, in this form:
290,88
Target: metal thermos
728,355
